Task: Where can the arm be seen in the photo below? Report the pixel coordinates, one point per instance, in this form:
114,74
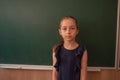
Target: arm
54,72
84,66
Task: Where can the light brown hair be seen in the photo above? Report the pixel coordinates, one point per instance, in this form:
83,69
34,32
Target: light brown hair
69,17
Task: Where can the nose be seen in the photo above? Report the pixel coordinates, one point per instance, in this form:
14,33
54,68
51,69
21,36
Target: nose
68,31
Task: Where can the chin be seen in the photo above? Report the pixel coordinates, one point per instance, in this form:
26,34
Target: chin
69,40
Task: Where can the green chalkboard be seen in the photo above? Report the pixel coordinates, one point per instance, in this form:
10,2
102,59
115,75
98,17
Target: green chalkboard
29,29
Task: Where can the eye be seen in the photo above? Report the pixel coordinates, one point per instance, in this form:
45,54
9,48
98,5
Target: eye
72,28
64,28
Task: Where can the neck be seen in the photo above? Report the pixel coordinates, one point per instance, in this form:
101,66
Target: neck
71,45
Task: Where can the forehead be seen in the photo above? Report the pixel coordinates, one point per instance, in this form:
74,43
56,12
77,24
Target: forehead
68,22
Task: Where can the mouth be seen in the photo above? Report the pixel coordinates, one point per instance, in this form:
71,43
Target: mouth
68,36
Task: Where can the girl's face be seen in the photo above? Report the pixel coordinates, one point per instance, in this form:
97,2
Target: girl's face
68,29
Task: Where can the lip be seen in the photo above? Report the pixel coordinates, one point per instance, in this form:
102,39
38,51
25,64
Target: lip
68,36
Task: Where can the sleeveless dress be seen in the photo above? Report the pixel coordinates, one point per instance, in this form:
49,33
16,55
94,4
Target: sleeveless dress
68,63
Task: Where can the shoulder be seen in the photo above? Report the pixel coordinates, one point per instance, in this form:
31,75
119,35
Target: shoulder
82,48
56,46
56,49
85,53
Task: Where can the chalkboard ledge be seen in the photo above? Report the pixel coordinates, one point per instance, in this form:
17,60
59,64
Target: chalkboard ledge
43,67
21,66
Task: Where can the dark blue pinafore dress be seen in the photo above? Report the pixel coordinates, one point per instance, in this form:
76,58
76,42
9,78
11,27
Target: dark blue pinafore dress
68,63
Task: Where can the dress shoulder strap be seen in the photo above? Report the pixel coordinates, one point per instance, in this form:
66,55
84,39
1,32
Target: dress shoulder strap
81,50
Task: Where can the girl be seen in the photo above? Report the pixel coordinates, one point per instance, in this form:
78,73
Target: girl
69,57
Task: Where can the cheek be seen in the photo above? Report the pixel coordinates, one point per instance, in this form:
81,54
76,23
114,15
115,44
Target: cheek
60,33
76,32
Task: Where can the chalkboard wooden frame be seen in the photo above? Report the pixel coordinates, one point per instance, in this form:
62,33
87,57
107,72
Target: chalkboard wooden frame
118,38
118,44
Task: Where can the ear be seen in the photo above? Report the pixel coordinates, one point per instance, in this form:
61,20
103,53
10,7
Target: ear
59,31
78,31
